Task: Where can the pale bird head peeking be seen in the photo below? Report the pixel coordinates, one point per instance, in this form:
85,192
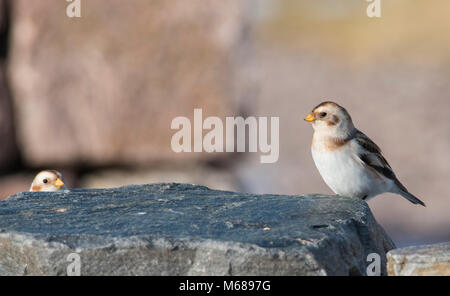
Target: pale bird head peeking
47,181
330,119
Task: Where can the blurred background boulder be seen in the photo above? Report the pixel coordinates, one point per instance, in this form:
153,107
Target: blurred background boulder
94,96
103,89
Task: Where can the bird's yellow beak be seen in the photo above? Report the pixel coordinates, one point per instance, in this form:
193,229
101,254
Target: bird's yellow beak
310,117
59,182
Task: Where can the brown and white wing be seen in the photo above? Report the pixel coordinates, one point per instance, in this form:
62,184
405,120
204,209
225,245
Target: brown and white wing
370,155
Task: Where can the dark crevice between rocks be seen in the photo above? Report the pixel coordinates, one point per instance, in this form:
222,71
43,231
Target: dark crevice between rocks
5,29
354,271
230,269
15,162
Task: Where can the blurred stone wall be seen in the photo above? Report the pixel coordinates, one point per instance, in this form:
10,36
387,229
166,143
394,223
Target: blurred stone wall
104,88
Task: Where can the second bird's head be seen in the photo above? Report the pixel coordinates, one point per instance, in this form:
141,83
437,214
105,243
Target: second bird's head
47,181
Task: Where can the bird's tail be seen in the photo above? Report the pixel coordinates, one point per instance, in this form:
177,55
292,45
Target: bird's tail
411,197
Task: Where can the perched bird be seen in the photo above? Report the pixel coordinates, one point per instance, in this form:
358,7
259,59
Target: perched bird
48,180
349,162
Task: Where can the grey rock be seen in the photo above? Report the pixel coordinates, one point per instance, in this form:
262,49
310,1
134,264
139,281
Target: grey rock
420,260
181,229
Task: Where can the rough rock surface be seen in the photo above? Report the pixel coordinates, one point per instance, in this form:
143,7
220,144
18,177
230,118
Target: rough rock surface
420,260
105,87
179,229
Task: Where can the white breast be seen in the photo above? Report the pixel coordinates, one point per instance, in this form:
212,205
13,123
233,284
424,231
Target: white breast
345,174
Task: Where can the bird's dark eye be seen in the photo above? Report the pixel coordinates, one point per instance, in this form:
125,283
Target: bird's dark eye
45,181
322,114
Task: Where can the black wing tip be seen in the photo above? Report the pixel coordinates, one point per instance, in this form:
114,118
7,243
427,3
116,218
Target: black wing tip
422,203
418,202
412,198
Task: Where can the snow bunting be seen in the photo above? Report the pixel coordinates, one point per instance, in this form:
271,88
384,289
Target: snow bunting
349,162
48,180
